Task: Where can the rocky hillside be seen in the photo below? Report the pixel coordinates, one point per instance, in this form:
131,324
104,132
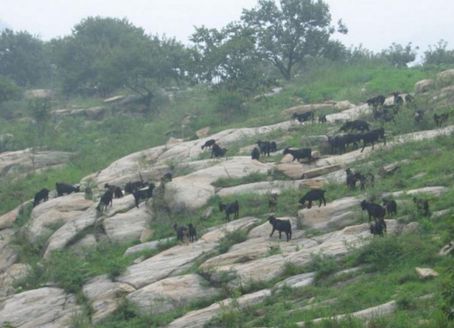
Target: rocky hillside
64,263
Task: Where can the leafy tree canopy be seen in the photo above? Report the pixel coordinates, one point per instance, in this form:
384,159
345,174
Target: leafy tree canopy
23,58
289,31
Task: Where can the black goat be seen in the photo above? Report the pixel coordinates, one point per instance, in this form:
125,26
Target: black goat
117,193
272,202
217,151
419,116
143,194
440,119
378,227
208,143
390,206
192,233
372,137
255,154
130,187
230,208
281,226
64,188
42,195
398,100
167,177
422,205
354,177
266,147
373,210
376,101
181,231
303,117
358,125
409,98
322,118
105,201
299,154
313,195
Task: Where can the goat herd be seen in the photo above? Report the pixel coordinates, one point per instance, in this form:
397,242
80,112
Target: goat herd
142,190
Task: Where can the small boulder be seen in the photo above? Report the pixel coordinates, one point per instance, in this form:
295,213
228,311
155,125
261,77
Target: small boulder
447,249
446,78
203,133
424,86
426,273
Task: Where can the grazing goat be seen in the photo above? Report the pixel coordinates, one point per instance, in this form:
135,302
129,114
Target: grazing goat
313,195
167,177
230,208
299,154
353,178
272,202
376,101
281,226
409,98
130,187
143,194
372,137
255,154
440,119
390,206
181,231
378,227
265,147
192,232
117,193
64,188
358,125
273,146
42,195
322,118
208,143
419,116
303,117
373,210
217,151
398,100
422,205
105,201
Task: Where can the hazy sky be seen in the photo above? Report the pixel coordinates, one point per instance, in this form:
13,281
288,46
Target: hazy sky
374,23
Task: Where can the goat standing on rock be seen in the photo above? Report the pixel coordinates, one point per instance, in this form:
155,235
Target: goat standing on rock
313,195
376,212
42,195
299,154
281,226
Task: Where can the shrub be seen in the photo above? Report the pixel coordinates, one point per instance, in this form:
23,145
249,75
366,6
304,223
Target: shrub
230,239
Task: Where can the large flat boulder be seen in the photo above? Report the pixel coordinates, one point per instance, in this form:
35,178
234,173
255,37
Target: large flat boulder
193,191
25,161
176,259
43,307
153,163
170,293
55,212
128,226
70,230
104,296
10,276
274,186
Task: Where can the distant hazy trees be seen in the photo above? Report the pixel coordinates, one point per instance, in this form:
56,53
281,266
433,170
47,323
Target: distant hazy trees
23,59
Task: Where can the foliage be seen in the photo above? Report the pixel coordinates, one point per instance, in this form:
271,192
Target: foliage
438,54
23,58
286,33
228,59
8,90
399,55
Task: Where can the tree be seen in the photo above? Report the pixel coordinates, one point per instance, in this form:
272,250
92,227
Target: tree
438,54
286,33
23,58
400,56
227,58
8,90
